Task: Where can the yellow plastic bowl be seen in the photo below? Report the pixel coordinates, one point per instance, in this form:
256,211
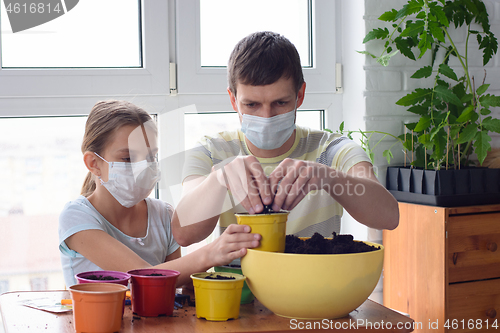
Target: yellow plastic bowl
217,300
272,228
308,286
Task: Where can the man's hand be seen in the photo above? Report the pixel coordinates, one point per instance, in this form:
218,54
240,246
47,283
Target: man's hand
293,179
246,180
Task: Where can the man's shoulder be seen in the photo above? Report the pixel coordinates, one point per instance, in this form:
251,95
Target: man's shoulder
222,144
317,137
227,136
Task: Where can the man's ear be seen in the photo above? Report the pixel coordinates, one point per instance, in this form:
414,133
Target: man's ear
90,160
301,94
232,98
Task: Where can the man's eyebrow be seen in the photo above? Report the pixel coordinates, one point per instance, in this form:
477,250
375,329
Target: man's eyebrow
282,98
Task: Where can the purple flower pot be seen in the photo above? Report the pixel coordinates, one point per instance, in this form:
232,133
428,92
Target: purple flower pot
90,277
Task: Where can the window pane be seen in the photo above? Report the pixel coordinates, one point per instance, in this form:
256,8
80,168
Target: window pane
94,33
224,22
42,169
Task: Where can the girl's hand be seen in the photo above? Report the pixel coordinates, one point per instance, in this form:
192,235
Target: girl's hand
232,244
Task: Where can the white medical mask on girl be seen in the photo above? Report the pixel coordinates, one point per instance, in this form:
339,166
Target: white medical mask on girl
269,133
130,183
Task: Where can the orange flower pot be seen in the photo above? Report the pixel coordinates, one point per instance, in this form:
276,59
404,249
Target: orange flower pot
97,307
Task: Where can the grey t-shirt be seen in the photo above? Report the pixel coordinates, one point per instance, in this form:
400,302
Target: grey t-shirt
80,215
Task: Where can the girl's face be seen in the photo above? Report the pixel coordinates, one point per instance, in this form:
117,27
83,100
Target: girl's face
130,144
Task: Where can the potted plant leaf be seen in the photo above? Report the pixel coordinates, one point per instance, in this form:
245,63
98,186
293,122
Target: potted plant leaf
445,148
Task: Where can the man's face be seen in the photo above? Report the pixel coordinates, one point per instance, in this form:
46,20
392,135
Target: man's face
268,100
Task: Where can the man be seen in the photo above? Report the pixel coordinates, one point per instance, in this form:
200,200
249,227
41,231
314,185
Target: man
271,161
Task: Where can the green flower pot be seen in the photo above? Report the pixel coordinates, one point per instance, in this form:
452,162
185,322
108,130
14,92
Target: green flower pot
246,294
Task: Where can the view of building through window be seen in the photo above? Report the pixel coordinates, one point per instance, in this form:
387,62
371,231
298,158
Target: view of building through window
42,169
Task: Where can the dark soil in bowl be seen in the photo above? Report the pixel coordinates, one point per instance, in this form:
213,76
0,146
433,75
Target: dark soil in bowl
154,274
219,277
317,244
99,277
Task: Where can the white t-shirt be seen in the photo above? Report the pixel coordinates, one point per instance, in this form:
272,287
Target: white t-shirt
80,215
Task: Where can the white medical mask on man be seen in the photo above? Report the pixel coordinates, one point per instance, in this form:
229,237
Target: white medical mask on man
268,133
130,183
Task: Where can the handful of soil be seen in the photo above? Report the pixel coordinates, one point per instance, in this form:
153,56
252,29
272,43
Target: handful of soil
100,277
268,209
219,277
317,244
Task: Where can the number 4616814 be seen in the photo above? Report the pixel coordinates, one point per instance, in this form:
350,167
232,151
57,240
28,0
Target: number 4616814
477,324
32,8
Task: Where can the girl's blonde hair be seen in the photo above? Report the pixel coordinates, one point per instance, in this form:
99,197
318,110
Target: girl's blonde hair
104,119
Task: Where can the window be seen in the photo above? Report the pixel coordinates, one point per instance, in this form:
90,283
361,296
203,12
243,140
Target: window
313,20
73,91
69,40
58,94
223,18
39,283
4,286
42,169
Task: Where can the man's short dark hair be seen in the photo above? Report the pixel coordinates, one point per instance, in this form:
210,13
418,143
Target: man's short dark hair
263,58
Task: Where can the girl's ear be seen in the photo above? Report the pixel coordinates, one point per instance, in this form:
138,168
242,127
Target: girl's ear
90,161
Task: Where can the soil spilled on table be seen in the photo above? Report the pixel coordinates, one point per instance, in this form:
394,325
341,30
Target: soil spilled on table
317,244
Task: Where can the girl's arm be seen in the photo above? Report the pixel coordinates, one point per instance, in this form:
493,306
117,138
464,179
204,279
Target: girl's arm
110,254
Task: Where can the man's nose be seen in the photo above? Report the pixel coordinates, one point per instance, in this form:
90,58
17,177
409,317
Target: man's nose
268,111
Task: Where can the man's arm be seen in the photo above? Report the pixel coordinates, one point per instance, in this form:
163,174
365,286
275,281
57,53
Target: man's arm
372,204
358,190
198,211
203,198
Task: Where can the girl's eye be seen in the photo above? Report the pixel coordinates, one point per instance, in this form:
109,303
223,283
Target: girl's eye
126,159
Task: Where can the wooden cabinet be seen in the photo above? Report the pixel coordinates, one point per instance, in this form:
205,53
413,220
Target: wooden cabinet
442,266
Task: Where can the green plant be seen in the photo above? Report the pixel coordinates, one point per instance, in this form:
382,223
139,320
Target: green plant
366,140
454,112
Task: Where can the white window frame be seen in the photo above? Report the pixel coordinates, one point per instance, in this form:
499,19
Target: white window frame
32,92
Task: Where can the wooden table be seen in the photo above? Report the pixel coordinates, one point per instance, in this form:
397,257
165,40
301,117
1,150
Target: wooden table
254,317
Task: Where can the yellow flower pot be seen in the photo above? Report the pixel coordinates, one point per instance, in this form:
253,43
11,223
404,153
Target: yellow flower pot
272,228
217,300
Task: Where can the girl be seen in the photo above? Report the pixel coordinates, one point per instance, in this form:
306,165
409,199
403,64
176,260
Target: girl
113,225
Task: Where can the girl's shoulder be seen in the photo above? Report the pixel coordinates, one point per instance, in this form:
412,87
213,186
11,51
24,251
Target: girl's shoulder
79,214
80,204
160,208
